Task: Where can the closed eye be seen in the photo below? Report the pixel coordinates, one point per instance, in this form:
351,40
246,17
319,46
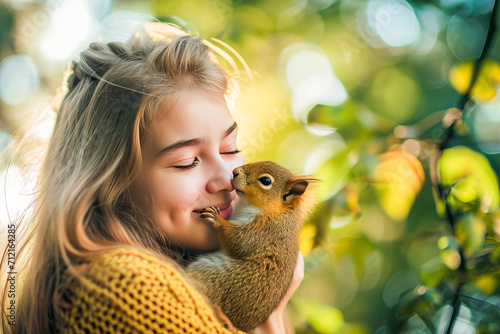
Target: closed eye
232,152
186,167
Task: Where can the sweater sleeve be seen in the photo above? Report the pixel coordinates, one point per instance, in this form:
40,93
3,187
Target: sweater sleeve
127,291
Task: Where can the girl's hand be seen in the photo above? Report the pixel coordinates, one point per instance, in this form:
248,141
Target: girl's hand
275,324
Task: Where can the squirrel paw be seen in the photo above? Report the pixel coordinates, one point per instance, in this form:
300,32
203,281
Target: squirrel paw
212,214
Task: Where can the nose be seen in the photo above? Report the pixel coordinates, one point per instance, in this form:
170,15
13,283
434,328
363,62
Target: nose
220,181
237,171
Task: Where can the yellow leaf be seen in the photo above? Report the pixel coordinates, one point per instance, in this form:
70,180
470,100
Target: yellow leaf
483,90
461,75
352,198
307,235
484,87
487,283
399,178
451,258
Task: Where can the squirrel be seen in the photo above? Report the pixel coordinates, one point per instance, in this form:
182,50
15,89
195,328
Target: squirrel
250,276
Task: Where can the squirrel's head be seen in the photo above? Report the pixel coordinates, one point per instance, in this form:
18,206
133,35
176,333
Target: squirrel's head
271,187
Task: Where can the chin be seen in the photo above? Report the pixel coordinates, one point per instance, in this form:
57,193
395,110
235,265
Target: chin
211,245
212,249
208,242
194,252
190,252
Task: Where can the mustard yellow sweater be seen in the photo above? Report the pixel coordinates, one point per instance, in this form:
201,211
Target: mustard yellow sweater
128,291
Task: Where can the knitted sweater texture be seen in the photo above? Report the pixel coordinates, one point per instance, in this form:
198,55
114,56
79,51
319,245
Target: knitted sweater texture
128,291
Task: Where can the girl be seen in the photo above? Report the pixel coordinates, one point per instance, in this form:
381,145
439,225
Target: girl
143,139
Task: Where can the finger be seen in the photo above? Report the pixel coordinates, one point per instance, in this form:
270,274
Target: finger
298,275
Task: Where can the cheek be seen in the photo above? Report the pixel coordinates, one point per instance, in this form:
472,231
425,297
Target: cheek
175,192
234,162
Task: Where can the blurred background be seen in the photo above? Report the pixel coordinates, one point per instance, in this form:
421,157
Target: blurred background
354,92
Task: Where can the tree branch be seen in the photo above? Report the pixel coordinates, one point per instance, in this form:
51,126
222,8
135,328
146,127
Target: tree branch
447,135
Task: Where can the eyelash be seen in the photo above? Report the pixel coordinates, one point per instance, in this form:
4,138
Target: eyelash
232,152
195,162
186,167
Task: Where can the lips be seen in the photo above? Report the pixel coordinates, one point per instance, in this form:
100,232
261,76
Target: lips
226,212
225,209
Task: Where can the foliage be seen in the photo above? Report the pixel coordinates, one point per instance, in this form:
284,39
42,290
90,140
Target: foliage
407,232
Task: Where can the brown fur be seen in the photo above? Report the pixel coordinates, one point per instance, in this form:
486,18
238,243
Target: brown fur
250,277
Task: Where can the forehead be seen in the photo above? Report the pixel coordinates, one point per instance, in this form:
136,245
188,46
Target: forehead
195,114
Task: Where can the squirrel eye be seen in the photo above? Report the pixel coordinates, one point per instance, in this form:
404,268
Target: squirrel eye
265,181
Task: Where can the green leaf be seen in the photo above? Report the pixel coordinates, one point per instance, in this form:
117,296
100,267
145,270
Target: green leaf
434,271
335,116
473,180
470,231
333,174
440,203
422,301
465,193
324,318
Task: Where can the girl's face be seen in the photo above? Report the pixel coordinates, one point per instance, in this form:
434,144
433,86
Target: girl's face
188,158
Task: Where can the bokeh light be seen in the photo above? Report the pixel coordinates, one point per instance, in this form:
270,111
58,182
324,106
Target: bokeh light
486,125
19,79
310,76
393,21
397,284
59,44
430,19
394,90
466,36
4,140
119,25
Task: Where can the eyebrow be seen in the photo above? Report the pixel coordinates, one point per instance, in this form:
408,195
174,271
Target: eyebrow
230,130
191,142
179,144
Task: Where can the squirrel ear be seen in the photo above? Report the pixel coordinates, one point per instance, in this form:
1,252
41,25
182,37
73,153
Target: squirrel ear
297,189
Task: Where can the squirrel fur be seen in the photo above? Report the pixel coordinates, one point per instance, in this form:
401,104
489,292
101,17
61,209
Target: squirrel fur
250,276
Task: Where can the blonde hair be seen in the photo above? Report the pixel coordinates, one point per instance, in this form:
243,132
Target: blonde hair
82,206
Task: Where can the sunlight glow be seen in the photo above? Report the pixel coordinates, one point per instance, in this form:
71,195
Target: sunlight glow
393,21
309,75
486,122
71,26
120,25
319,129
325,151
465,36
429,17
19,79
15,195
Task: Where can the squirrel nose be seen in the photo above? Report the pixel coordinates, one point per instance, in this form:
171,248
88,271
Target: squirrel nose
237,171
